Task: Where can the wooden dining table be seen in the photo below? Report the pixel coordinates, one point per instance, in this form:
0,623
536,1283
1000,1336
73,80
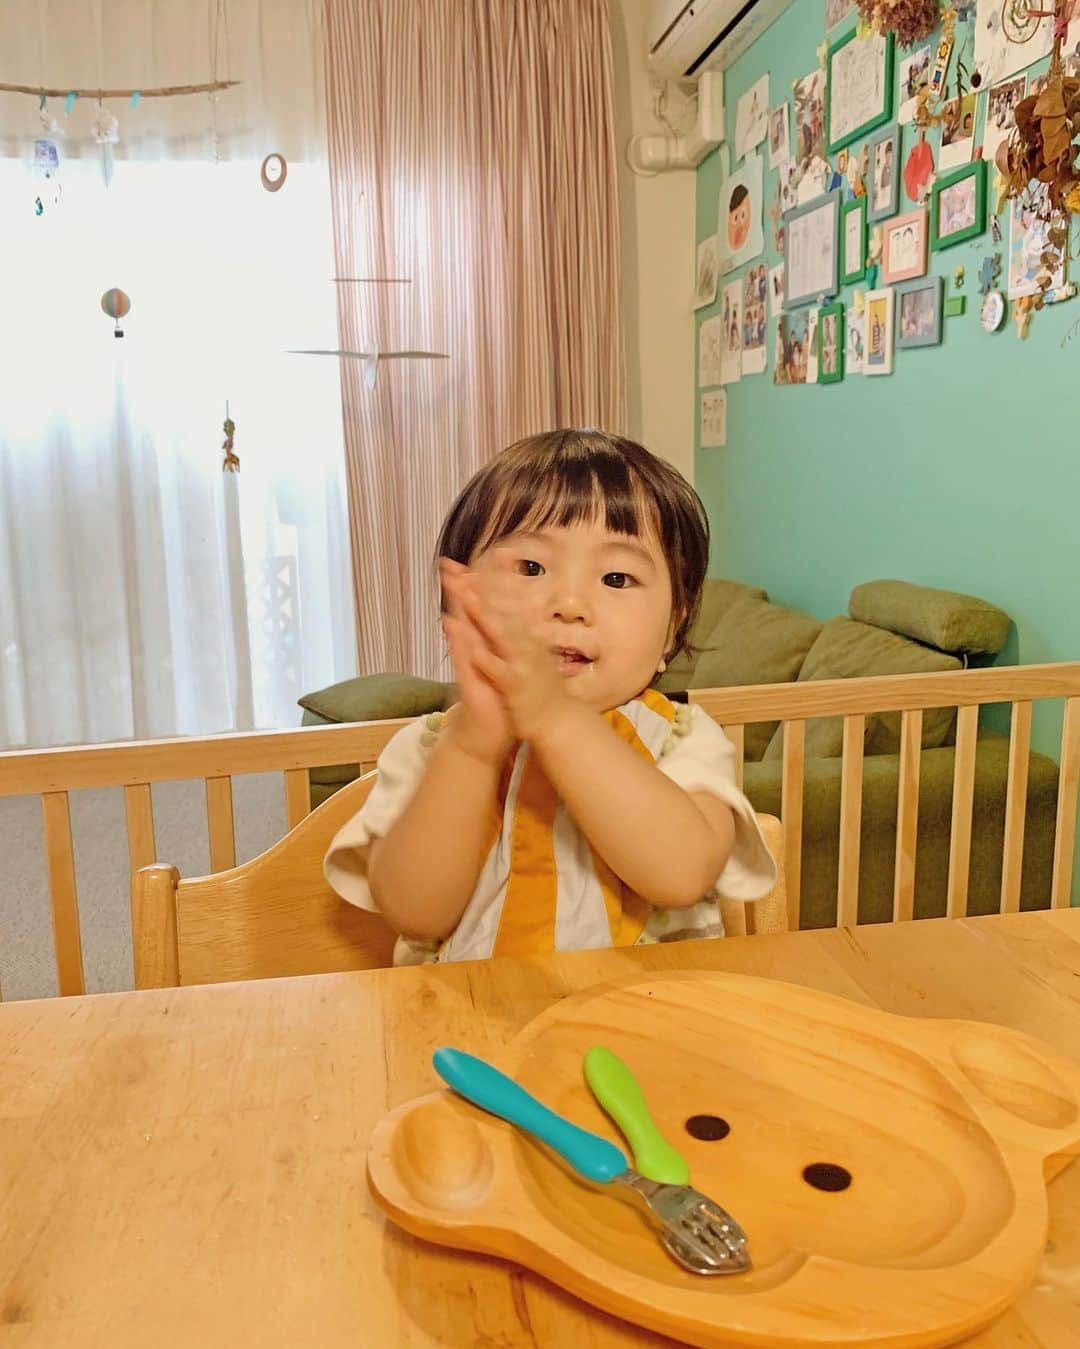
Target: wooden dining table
187,1166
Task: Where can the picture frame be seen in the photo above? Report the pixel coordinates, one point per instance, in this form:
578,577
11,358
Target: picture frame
854,237
958,205
919,312
859,92
903,247
879,337
883,174
832,335
812,251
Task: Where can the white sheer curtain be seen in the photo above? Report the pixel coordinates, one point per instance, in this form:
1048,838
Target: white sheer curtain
142,591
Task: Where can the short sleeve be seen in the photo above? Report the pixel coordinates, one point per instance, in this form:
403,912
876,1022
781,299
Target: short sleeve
400,767
702,759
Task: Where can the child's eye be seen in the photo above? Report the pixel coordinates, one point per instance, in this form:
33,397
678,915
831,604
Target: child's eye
527,567
619,580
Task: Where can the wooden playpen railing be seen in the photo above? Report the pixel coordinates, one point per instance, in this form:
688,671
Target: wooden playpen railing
53,774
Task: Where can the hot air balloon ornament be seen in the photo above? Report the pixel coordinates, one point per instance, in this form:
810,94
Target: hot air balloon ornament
116,304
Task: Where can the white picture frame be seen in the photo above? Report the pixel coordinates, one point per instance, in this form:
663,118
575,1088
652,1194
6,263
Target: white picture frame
879,315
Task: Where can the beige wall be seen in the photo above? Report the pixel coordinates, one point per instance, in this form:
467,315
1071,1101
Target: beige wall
656,218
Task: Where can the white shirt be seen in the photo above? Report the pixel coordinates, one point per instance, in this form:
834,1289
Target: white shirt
691,750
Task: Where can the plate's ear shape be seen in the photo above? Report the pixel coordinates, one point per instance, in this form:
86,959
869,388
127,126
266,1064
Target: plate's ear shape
1024,1080
439,1155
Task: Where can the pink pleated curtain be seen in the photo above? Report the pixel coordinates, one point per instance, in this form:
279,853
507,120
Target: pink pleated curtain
472,162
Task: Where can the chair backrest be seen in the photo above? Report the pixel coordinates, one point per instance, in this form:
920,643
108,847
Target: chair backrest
770,913
276,915
270,917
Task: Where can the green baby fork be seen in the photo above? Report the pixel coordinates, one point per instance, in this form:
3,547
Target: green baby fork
617,1090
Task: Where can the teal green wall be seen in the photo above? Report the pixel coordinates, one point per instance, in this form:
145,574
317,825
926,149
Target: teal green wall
960,470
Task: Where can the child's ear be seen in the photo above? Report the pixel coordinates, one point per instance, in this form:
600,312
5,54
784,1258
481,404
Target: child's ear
673,628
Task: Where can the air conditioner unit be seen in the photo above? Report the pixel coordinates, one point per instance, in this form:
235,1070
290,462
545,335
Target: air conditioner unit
687,37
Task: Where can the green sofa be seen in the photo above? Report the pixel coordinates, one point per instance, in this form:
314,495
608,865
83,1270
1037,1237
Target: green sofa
891,628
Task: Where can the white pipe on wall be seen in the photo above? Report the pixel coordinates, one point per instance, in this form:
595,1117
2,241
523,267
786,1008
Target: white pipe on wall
659,154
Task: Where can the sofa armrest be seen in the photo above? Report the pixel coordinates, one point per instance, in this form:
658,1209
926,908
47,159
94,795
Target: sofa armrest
881,776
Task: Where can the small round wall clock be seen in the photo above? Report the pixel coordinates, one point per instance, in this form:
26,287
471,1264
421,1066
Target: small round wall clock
992,313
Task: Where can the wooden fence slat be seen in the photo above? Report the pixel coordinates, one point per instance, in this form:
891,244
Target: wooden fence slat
907,815
25,772
967,730
737,736
53,774
297,795
791,814
220,825
36,772
139,808
851,779
1012,858
63,897
888,693
1065,832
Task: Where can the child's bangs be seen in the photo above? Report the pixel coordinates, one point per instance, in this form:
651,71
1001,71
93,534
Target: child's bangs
598,490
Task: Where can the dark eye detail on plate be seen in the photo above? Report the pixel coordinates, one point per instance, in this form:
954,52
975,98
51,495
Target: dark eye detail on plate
707,1128
827,1176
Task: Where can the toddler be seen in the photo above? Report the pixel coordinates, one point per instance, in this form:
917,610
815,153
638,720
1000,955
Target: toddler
563,802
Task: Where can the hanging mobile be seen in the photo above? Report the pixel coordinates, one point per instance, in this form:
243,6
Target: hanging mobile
273,172
106,132
116,304
47,167
231,462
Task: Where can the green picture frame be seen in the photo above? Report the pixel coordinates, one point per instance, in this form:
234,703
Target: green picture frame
848,134
857,273
970,209
835,372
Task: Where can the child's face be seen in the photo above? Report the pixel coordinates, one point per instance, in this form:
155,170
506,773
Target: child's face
600,602
738,224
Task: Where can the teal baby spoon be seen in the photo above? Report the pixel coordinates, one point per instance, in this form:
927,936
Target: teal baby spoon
703,1237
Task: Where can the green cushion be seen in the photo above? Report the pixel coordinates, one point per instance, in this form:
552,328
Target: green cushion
941,618
378,697
329,775
717,597
756,642
849,650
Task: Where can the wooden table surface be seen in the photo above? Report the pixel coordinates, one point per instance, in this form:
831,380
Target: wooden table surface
186,1167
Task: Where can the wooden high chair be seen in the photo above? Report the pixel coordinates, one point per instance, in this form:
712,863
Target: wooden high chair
273,916
276,915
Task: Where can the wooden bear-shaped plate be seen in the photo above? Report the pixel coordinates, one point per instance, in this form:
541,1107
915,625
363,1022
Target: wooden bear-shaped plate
942,1135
